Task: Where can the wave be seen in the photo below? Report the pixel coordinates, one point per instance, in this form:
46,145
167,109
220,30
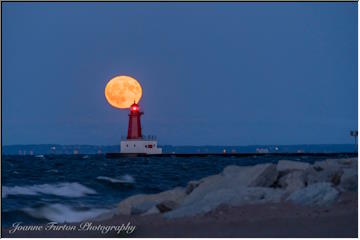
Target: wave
123,179
60,189
61,213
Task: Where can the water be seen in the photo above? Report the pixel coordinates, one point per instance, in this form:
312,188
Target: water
72,188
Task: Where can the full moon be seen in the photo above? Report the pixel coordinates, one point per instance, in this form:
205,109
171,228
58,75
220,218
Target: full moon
122,91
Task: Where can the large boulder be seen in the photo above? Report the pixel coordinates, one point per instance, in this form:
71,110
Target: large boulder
287,166
318,194
203,185
142,206
332,170
330,173
349,180
206,181
327,164
141,203
292,181
262,175
236,196
167,206
192,185
151,211
341,163
348,162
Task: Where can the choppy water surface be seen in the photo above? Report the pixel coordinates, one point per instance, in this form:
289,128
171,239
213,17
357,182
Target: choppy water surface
71,188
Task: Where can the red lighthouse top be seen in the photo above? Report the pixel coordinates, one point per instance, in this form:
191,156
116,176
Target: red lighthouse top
134,130
134,107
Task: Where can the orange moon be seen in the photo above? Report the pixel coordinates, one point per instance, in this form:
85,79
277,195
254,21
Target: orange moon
122,91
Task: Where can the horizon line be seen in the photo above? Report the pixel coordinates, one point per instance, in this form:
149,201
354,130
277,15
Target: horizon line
210,145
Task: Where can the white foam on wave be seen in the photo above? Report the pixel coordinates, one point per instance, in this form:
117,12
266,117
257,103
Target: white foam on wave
61,213
60,189
123,179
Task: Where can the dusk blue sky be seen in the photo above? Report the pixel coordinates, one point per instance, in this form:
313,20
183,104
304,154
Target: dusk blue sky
211,73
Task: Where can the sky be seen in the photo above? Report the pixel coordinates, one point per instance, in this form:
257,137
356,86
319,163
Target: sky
211,73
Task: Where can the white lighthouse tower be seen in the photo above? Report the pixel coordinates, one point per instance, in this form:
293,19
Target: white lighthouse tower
135,143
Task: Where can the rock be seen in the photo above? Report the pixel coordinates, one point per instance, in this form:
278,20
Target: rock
204,185
318,194
235,185
292,181
142,207
166,206
261,175
349,180
348,162
331,174
191,186
264,175
327,164
342,163
331,170
287,166
105,216
239,195
141,203
151,211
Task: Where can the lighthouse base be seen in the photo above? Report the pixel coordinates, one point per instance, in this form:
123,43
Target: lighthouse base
139,146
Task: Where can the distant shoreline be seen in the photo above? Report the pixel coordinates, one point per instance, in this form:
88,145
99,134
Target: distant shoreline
36,149
313,154
113,155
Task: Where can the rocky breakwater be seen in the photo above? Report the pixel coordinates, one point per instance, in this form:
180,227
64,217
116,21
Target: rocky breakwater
318,184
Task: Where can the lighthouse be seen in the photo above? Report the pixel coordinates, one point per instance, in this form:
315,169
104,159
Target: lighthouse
134,129
135,142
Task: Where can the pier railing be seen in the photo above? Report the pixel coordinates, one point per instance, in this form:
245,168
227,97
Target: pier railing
144,137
